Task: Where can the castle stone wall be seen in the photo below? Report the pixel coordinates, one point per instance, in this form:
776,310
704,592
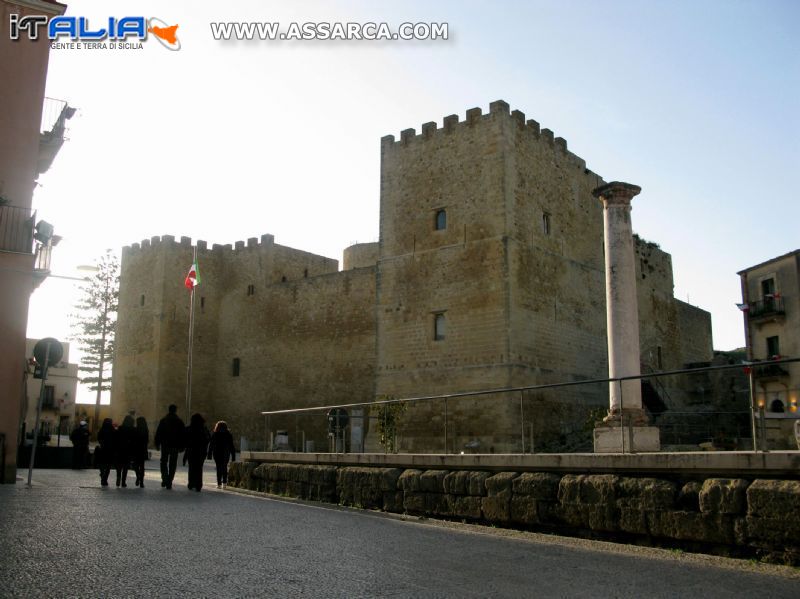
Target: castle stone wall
306,341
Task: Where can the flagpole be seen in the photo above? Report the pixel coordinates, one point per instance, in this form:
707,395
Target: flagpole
191,343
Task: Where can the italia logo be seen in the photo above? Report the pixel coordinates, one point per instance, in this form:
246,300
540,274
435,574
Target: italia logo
78,29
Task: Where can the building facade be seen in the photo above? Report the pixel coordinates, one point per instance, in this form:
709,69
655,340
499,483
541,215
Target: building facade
771,298
58,402
23,263
488,274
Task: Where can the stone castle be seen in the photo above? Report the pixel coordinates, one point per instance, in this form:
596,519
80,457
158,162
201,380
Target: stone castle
488,274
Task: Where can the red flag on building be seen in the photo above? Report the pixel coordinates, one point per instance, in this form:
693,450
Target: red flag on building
193,278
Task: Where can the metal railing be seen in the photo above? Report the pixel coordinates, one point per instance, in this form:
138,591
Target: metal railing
769,306
547,418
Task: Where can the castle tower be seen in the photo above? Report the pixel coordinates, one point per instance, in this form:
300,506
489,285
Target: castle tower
490,246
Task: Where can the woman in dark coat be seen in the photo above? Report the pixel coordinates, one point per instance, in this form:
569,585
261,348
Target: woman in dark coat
197,438
140,450
126,440
105,451
221,449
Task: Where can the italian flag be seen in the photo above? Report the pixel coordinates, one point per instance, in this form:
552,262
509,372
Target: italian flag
193,278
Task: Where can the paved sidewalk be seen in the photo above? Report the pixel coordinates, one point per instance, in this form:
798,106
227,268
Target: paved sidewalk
68,537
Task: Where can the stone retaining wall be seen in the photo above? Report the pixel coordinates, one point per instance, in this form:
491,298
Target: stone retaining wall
728,516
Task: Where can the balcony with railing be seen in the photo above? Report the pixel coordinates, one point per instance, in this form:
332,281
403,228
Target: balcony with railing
768,308
17,228
55,114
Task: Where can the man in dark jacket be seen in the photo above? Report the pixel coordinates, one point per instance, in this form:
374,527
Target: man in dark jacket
169,439
80,444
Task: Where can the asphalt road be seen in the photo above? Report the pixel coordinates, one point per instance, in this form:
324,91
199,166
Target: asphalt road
68,537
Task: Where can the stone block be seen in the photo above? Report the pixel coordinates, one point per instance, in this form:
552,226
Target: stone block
414,503
599,489
573,515
723,496
633,520
322,475
408,481
437,504
261,471
465,506
497,508
766,532
646,493
477,483
689,496
457,482
387,478
774,499
393,501
692,526
524,509
500,484
297,473
602,517
296,489
549,512
569,488
432,481
234,474
322,492
273,472
538,485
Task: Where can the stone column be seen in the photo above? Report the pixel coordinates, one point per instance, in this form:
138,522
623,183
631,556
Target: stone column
622,318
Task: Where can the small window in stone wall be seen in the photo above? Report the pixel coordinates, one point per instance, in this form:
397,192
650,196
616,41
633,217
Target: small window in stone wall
236,366
438,326
305,273
546,223
440,219
283,279
251,290
202,304
141,300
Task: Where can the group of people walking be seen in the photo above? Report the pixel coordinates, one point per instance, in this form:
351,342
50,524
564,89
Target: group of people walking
127,445
121,448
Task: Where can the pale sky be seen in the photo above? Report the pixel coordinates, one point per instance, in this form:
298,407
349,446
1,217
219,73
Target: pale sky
696,102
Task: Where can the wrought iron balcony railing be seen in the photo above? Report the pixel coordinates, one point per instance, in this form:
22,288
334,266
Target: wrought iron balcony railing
769,306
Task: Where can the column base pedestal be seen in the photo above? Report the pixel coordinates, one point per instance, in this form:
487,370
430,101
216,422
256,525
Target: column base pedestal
631,439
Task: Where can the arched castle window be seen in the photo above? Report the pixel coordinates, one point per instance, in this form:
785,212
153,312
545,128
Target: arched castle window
251,290
236,366
546,223
440,220
141,300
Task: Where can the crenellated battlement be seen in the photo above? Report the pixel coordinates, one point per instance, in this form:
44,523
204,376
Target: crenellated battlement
474,117
168,241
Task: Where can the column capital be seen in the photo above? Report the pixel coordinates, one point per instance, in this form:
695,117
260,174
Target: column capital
616,192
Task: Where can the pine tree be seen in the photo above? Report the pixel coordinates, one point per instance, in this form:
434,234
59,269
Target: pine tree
95,325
